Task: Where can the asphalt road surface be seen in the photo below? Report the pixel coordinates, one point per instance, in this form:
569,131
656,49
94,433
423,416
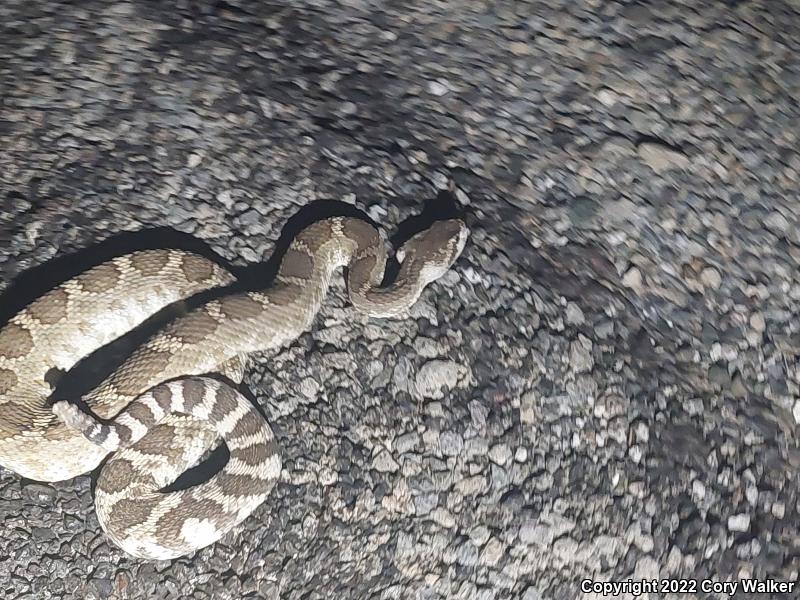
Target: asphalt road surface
605,388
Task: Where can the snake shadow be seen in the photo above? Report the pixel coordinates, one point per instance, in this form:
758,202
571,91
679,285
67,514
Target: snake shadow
93,369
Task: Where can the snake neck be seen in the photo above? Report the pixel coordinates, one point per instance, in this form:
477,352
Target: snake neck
383,302
319,251
314,257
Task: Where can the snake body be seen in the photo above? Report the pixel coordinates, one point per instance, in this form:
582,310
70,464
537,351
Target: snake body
164,406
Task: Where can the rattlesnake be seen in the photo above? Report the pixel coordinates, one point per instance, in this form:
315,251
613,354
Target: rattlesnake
160,407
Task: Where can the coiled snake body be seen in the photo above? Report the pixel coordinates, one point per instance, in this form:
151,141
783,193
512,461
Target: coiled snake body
160,408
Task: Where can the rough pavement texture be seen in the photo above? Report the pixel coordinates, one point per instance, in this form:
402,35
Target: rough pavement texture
606,386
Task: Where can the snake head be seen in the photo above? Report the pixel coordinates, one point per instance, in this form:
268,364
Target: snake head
433,251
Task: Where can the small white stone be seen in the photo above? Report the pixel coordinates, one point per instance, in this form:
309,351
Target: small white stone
646,568
529,532
751,493
384,463
711,278
758,323
674,560
532,594
470,486
435,376
479,535
500,454
574,314
492,552
327,476
427,347
438,87
642,432
661,158
580,354
607,97
451,443
528,405
698,489
633,279
740,522
443,517
348,108
309,388
226,199
777,222
267,107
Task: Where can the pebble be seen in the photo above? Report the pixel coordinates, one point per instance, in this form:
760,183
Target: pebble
427,347
384,463
647,568
698,489
711,278
633,279
757,322
467,554
740,522
531,593
528,532
575,315
492,552
528,404
451,443
436,377
39,493
406,442
438,88
777,222
479,535
425,503
580,355
500,454
443,517
310,388
660,158
469,486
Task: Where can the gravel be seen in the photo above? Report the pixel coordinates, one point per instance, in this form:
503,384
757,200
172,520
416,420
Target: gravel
606,386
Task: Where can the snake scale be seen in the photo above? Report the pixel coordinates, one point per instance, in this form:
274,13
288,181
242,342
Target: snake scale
164,406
